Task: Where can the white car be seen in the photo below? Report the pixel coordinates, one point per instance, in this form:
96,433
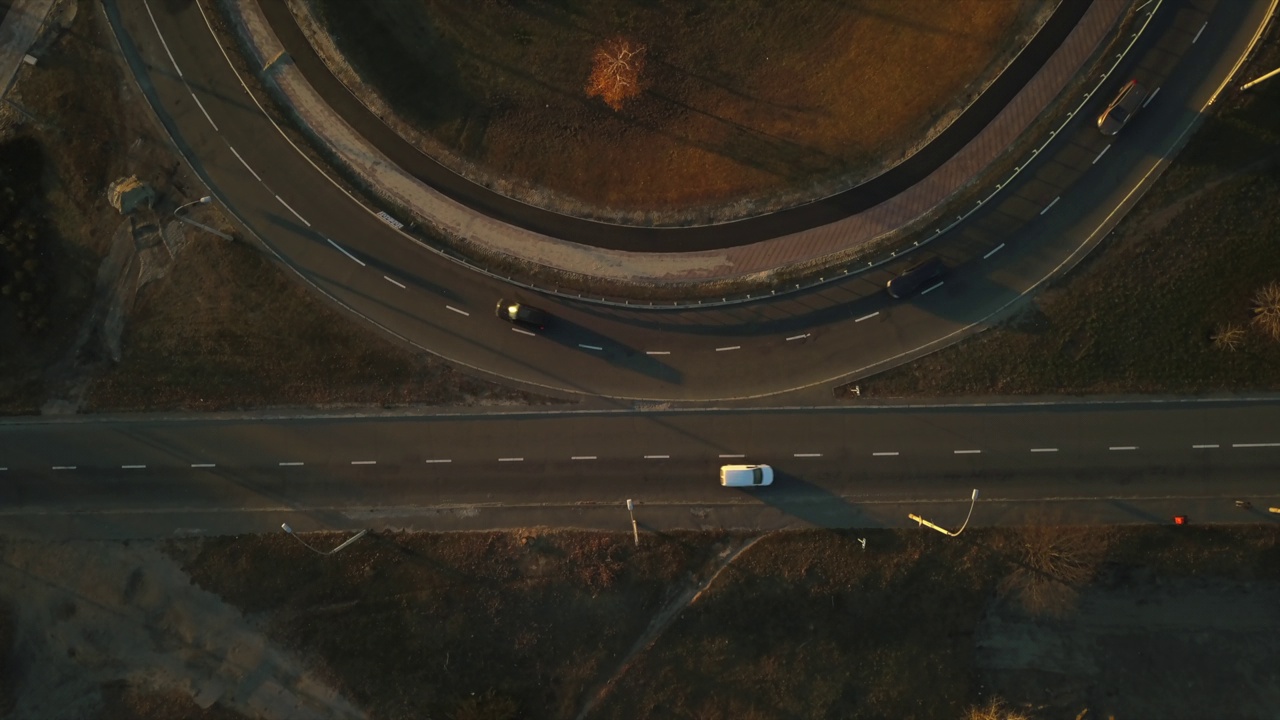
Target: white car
745,475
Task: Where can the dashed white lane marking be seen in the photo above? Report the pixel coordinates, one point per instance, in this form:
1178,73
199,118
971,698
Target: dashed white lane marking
522,331
732,455
344,252
1150,97
203,465
4,469
808,455
1104,152
290,464
1123,447
364,462
1202,27
1050,205
583,457
657,457
463,313
657,352
1206,446
1254,445
64,467
295,212
993,251
967,452
1044,450
206,112
393,281
728,348
252,172
133,467
931,289
798,337
885,454
867,317
513,459
590,347
436,461
161,36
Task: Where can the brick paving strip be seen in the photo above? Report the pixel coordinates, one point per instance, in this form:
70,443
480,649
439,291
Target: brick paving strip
394,185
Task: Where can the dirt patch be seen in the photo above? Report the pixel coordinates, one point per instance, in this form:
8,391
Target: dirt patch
90,615
746,107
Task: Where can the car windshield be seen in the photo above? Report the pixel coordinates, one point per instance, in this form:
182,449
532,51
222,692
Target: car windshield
757,476
1120,114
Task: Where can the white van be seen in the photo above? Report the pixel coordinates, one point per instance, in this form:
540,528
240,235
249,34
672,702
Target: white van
745,475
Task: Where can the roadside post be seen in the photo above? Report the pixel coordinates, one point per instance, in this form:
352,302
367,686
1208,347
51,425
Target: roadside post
973,500
635,529
285,527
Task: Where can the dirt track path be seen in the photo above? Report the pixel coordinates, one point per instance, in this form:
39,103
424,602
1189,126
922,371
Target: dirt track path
92,613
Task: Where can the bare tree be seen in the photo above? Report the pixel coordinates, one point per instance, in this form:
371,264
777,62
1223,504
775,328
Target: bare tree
1052,563
1228,337
616,73
994,709
1266,310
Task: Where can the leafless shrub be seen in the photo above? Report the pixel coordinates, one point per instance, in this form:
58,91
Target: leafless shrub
1051,564
1228,337
489,706
994,709
1266,310
617,72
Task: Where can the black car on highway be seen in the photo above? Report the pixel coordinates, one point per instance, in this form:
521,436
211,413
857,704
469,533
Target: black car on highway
913,278
1126,104
517,312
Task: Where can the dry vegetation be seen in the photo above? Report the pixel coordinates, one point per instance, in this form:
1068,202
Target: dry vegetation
742,100
801,625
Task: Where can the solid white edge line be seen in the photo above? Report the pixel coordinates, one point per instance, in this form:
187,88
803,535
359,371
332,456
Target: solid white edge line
207,116
133,467
203,465
161,36
295,212
807,455
511,459
657,457
290,464
966,452
728,348
867,317
1202,27
885,454
657,352
364,462
1104,152
732,455
437,461
1254,445
1208,446
341,249
1050,205
1149,99
583,457
246,165
522,331
1123,447
395,282
590,347
463,313
931,289
1044,450
993,251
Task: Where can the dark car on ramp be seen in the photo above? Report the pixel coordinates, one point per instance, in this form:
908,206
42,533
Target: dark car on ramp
1126,104
520,314
913,278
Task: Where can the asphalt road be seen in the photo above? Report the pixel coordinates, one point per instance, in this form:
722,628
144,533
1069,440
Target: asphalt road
862,467
1065,199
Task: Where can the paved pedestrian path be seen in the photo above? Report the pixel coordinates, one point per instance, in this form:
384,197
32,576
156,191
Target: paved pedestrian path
398,187
18,31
